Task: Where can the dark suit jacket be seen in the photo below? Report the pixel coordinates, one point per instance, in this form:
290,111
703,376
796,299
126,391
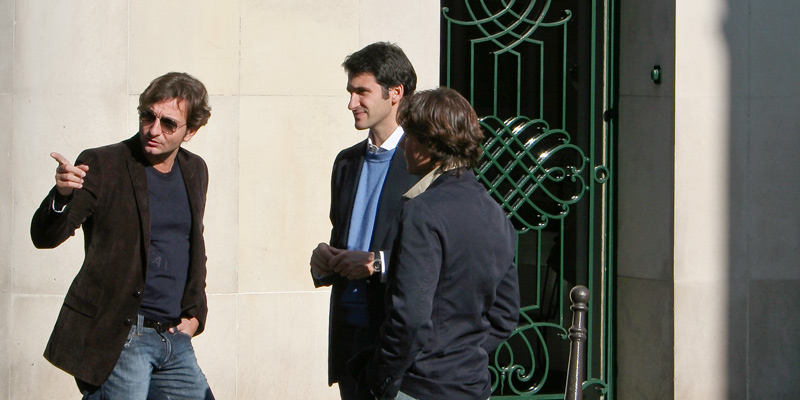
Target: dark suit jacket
453,294
103,300
344,183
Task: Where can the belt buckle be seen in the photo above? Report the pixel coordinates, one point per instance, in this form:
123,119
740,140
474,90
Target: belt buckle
159,326
162,327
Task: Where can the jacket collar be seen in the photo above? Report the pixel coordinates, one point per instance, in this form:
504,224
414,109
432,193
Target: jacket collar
428,179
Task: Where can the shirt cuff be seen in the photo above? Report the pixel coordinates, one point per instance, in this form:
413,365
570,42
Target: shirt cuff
60,203
58,208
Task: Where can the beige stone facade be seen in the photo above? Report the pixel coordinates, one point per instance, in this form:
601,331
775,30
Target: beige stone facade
70,76
707,237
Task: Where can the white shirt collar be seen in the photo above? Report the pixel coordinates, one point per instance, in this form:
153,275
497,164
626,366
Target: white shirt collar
388,145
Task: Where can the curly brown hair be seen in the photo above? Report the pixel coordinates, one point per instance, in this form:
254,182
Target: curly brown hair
179,85
443,121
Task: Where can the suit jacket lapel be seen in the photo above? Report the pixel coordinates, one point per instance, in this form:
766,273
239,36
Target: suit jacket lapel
139,183
351,173
194,188
391,198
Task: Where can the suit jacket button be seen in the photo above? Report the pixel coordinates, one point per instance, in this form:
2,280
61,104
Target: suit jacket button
137,294
128,322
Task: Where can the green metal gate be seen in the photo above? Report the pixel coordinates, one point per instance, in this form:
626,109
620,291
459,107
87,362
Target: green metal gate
539,73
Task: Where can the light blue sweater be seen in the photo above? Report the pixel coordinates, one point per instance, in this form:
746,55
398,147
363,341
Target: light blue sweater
362,220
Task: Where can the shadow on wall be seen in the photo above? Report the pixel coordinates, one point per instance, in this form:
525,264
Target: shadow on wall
764,214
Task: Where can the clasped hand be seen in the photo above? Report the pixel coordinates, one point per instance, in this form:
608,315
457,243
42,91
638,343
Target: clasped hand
351,264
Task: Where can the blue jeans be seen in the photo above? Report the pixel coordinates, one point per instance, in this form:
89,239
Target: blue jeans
154,366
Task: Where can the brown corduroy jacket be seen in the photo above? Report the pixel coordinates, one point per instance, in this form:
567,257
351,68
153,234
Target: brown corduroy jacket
113,210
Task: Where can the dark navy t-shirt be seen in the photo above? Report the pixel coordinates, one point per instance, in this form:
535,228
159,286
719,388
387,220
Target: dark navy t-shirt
170,226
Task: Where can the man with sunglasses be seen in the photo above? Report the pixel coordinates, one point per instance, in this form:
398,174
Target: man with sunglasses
125,328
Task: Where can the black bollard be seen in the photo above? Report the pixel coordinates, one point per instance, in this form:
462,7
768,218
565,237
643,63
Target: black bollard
577,336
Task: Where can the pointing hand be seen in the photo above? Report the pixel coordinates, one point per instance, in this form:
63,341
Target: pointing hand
68,177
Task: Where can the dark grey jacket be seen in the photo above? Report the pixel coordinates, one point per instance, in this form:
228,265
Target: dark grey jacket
453,294
344,183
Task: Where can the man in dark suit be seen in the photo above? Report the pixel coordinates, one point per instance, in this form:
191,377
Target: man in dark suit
453,292
125,329
367,184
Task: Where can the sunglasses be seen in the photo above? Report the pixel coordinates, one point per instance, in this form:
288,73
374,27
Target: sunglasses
168,125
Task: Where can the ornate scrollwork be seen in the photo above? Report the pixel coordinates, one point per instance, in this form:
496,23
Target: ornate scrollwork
535,173
505,27
529,67
521,364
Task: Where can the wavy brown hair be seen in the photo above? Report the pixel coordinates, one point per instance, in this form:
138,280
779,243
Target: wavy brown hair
179,85
443,121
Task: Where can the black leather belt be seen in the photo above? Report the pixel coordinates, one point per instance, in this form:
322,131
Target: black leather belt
160,326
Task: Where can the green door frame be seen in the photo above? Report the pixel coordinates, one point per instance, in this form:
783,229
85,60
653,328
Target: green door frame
541,74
